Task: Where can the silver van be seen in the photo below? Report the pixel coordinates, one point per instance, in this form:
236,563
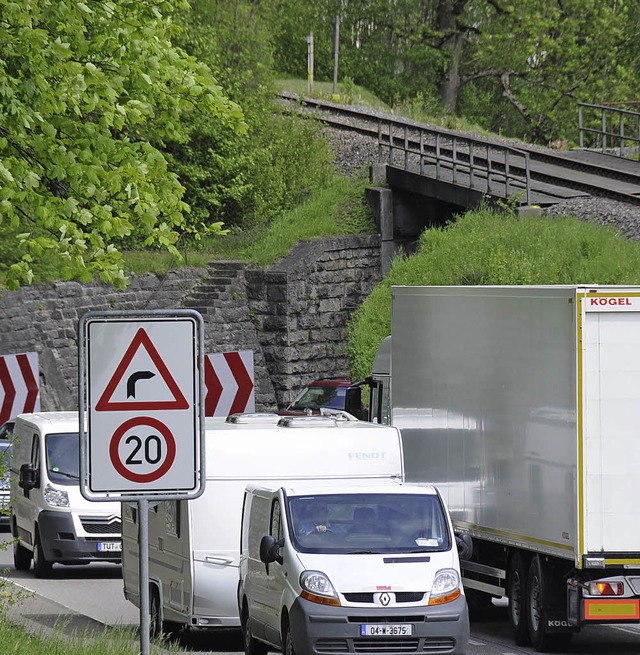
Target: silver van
51,519
343,568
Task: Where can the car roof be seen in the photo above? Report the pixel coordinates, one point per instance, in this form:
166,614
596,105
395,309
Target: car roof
331,382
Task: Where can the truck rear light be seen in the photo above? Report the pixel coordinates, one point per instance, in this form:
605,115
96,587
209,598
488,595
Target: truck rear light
601,588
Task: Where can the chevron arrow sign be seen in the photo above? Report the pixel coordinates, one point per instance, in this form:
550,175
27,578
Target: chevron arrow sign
229,382
19,390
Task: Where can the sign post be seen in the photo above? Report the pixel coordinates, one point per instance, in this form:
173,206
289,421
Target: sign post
141,385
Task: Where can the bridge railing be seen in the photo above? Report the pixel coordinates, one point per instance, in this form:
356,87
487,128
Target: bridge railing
609,129
496,170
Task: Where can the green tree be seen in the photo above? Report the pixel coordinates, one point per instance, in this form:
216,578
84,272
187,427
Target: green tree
243,180
513,66
84,88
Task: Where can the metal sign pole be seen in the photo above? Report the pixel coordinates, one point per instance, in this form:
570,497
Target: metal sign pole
143,567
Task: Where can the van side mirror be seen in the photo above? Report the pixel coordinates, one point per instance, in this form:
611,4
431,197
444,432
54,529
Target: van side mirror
270,549
464,544
29,477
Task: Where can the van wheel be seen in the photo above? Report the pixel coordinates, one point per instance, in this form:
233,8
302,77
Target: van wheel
251,645
155,620
41,565
518,600
21,556
288,642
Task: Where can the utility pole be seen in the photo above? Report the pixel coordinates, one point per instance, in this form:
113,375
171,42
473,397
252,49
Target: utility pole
336,50
310,63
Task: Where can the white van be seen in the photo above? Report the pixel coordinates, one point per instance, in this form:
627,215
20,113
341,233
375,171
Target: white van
348,568
49,515
194,545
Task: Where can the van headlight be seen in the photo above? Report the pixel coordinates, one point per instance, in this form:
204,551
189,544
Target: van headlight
446,587
55,497
317,588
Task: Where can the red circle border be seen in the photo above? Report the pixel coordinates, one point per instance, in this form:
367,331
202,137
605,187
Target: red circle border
115,444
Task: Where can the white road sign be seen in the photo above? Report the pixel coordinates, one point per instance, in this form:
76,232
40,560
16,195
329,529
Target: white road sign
143,393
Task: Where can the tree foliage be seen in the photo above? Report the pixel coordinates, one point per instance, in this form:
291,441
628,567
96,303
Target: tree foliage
243,180
85,88
513,66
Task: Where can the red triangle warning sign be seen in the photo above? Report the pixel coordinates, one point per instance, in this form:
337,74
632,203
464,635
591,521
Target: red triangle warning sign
106,402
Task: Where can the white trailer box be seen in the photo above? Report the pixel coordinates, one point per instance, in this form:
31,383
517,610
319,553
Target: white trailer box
522,404
194,545
50,519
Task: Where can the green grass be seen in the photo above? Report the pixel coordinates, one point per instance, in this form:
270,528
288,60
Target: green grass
347,92
16,640
339,209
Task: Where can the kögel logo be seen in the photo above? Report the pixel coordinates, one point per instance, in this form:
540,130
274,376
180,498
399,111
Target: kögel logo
610,301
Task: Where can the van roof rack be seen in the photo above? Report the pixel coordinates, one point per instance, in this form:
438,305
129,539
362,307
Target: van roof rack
255,417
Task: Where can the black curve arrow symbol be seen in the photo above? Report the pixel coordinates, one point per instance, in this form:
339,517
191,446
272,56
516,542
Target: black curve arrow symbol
133,378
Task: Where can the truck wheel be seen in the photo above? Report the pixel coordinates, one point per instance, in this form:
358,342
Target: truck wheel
537,597
41,565
251,645
21,556
516,590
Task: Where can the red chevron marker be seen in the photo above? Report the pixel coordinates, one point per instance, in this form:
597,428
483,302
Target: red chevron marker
229,383
19,390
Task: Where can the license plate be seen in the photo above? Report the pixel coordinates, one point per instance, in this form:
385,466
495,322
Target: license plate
386,630
109,547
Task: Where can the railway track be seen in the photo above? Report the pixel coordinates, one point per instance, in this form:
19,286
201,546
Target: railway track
539,175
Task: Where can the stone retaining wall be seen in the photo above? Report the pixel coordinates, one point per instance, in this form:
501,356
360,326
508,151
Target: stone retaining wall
296,312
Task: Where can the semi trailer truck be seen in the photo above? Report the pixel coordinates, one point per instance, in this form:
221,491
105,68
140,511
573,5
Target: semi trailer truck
522,405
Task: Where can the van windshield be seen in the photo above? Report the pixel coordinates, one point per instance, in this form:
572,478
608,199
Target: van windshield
63,457
368,523
317,396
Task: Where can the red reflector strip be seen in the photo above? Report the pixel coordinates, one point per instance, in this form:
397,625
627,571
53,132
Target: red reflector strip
624,609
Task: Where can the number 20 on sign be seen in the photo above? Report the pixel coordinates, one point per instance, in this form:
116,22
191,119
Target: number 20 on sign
143,378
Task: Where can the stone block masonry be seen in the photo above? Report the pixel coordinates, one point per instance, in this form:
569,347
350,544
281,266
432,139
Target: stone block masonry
293,315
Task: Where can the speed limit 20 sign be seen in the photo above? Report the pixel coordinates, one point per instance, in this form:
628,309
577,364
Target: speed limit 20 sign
141,374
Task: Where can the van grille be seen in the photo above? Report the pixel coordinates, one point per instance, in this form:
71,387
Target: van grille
393,645
401,597
101,525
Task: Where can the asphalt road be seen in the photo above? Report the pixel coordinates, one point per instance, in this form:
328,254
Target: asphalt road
90,597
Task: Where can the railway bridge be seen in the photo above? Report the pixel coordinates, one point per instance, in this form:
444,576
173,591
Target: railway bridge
425,175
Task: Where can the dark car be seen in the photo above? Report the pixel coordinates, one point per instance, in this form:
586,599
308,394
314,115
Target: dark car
6,430
329,393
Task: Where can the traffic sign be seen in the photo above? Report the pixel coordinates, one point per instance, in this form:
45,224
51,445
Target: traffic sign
229,385
19,389
143,383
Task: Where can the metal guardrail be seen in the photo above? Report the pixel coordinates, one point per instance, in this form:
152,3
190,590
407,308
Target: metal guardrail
609,129
496,170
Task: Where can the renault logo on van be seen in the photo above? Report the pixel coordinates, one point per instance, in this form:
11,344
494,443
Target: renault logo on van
382,599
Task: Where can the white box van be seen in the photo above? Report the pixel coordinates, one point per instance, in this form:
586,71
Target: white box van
346,569
194,545
49,515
